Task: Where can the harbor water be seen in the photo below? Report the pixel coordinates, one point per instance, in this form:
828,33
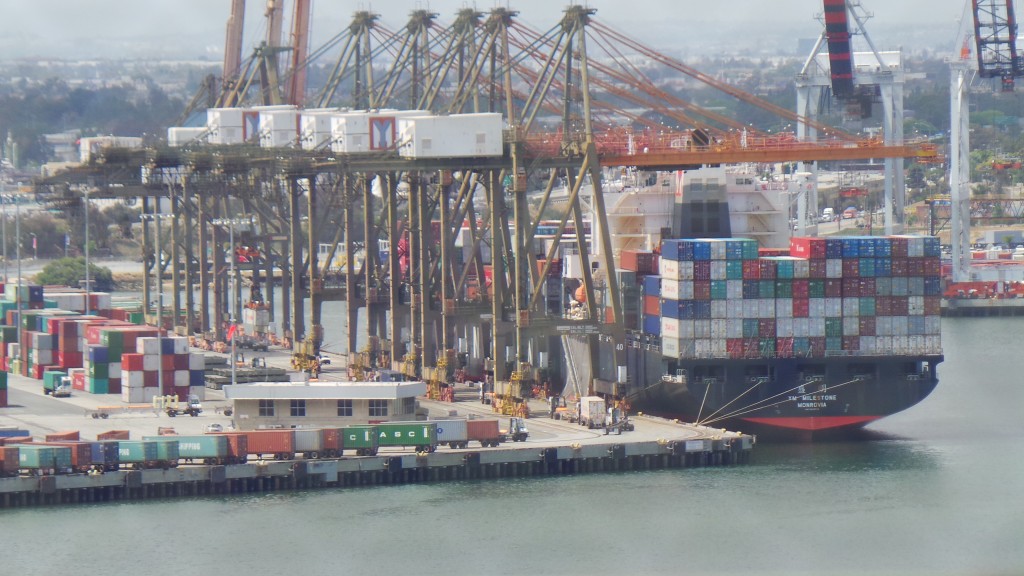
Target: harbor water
934,490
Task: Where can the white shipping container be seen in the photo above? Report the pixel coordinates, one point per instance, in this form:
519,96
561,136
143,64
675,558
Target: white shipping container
734,289
90,148
180,345
801,328
133,379
816,307
147,345
883,343
196,362
670,327
702,348
454,136
669,270
851,326
311,439
816,326
833,307
734,329
43,357
720,308
279,128
315,127
148,394
686,329
718,270
915,305
833,268
933,344
702,328
784,307
686,270
915,286
766,308
784,328
114,370
132,395
670,347
181,378
670,289
883,325
868,345
801,268
151,362
718,329
932,325
178,136
717,248
198,391
851,307
451,431
917,344
899,326
734,309
718,348
749,309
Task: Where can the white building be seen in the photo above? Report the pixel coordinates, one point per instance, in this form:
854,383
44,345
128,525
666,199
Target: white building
315,404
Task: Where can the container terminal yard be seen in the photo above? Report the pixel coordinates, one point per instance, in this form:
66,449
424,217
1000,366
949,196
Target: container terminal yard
553,447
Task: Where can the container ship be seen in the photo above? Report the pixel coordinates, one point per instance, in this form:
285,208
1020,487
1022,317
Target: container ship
822,336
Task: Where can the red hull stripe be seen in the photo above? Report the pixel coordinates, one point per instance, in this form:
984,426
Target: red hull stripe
814,422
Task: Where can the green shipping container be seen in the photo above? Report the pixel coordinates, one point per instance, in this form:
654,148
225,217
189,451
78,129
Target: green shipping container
734,269
783,288
97,385
167,449
719,289
766,289
197,446
98,370
35,457
816,288
137,318
136,452
419,434
833,328
3,380
363,439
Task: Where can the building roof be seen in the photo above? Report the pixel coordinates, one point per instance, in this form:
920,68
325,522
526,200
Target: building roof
324,390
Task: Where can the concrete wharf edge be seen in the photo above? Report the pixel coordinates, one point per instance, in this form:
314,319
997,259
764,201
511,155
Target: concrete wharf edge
383,469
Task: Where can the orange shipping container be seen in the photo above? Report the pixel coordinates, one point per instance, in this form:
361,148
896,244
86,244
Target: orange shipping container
62,436
113,435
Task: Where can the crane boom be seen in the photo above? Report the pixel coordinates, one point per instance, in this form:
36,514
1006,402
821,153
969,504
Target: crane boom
300,51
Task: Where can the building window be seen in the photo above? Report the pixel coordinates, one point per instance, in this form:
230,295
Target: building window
266,408
378,407
344,407
298,407
408,405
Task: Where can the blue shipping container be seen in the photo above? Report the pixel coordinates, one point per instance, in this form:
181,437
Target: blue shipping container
652,324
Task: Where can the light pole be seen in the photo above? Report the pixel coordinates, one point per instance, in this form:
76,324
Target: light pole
17,256
3,223
155,217
231,223
88,284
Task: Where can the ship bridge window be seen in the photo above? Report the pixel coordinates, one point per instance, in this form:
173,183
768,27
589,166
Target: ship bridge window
810,372
758,372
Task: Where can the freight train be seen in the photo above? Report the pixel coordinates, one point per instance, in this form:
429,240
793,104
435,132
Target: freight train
234,447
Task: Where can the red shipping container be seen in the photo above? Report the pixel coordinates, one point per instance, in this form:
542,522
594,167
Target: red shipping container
70,359
132,362
702,290
332,437
18,440
167,362
784,347
851,342
62,436
643,261
899,267
114,386
900,306
751,348
833,288
751,270
78,381
702,270
801,307
867,287
932,267
915,266
766,328
3,397
81,453
277,443
851,267
181,361
883,306
150,379
9,459
899,247
734,347
933,305
851,287
867,326
652,305
803,247
113,435
767,269
817,269
801,289
817,346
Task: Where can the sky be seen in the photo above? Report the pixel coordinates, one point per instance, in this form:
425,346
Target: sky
187,29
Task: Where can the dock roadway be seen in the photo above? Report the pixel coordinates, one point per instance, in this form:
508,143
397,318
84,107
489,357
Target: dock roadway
553,448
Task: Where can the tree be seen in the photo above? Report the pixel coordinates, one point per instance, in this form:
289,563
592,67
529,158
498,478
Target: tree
70,271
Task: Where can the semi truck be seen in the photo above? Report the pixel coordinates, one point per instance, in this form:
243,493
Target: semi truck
592,412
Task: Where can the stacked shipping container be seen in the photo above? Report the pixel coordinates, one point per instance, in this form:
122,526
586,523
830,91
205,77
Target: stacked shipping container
182,372
857,295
